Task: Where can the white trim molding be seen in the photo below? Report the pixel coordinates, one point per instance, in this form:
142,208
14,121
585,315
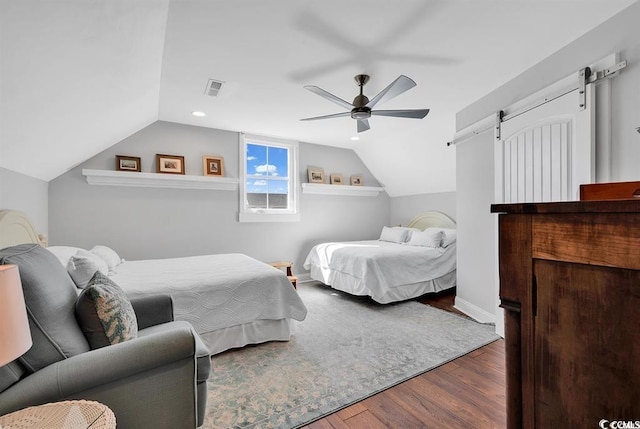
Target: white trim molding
345,190
474,311
304,277
159,180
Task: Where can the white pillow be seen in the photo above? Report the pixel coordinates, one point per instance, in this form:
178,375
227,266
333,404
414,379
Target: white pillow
393,235
408,231
63,253
450,236
83,265
430,237
109,256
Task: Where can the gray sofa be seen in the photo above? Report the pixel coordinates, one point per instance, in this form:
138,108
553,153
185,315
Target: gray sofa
157,380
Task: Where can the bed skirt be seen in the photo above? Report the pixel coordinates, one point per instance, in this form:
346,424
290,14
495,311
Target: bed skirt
355,286
256,332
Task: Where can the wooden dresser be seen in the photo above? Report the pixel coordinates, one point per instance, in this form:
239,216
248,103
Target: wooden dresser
570,287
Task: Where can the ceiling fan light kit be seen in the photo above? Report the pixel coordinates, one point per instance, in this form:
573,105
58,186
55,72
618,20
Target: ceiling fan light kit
362,108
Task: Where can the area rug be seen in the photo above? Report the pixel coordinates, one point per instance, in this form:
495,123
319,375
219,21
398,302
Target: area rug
347,349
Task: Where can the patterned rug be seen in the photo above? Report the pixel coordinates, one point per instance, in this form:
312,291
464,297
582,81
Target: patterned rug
348,348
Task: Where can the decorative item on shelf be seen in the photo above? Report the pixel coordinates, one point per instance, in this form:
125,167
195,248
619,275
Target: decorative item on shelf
336,179
213,165
128,163
357,181
170,164
316,175
15,336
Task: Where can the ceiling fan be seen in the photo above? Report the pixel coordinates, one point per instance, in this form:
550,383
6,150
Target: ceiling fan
361,108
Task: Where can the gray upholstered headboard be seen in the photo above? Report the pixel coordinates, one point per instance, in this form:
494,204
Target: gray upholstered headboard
16,228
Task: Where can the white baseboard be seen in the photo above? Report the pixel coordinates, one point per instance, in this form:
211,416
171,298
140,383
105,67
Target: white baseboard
304,278
474,311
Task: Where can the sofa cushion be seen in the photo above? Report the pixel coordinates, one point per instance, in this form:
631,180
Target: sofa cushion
50,296
105,313
10,374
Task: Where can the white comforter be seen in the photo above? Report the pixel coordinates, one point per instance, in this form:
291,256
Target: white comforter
379,267
215,291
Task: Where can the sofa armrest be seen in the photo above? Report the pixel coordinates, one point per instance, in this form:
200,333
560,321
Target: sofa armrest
153,310
147,382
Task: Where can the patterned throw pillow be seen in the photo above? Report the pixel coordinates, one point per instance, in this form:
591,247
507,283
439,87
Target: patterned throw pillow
104,313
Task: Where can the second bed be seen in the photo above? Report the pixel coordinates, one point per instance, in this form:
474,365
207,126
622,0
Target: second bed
389,271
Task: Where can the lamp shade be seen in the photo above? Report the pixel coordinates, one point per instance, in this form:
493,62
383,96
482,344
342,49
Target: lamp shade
15,336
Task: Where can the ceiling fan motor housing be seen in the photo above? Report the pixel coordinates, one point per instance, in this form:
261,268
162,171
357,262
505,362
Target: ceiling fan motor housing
361,112
360,101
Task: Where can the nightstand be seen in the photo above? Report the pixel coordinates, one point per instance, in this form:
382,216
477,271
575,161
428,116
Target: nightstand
288,265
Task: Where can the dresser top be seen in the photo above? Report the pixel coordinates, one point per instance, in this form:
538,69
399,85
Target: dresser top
608,206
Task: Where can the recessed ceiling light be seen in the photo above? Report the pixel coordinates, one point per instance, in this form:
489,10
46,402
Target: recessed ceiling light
355,138
199,114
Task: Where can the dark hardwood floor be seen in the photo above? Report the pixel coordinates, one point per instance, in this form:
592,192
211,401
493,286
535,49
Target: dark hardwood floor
468,392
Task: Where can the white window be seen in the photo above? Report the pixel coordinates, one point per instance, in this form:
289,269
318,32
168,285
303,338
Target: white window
269,180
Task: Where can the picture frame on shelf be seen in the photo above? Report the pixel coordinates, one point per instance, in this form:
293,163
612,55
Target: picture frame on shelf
169,164
336,179
356,180
128,163
213,165
316,175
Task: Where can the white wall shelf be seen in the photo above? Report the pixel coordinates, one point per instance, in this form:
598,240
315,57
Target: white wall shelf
347,190
159,180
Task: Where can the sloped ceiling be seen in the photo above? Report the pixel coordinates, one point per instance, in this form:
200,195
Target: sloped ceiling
77,77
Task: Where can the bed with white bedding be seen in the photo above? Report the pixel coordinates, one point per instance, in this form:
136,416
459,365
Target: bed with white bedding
405,263
230,299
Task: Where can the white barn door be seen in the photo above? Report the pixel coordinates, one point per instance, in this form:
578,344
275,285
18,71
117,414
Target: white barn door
544,155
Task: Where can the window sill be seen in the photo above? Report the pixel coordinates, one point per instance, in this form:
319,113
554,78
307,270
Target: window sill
159,180
345,190
268,217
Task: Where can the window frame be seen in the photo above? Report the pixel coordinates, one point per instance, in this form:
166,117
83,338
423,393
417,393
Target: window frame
292,214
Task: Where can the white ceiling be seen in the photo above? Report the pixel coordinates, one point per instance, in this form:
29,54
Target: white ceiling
77,77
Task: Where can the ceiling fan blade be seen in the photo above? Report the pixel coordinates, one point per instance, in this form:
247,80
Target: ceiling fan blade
363,125
411,113
395,88
335,115
322,93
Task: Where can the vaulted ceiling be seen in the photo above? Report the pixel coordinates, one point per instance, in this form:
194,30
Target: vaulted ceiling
77,77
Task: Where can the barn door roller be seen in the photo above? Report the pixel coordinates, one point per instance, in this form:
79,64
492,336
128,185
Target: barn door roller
587,76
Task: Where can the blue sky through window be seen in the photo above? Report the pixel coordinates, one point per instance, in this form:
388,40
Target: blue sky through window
267,169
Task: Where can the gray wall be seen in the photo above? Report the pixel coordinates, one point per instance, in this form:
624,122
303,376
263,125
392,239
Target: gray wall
27,194
143,223
404,208
620,34
476,231
474,163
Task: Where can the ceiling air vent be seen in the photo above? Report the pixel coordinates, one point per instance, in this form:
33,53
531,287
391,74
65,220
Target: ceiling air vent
213,87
